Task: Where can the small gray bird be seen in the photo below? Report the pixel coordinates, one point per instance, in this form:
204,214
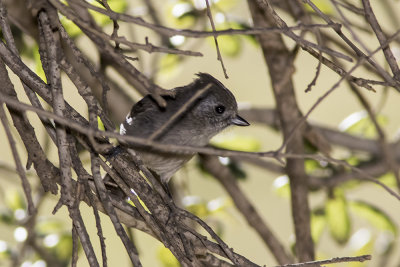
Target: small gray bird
198,111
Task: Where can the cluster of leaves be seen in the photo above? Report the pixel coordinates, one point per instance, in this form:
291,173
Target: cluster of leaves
338,214
48,235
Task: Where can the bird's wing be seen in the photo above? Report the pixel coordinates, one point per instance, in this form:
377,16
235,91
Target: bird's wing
140,121
144,105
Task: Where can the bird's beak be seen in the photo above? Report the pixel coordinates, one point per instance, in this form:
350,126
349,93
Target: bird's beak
239,121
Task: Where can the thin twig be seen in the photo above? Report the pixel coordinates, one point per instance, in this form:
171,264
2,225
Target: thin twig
391,60
164,236
163,147
102,192
219,57
201,34
33,98
359,53
228,252
148,47
59,107
331,261
135,77
335,86
83,178
318,68
243,204
75,246
20,169
115,23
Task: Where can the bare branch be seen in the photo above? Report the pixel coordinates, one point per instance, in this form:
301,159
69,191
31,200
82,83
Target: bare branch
25,183
101,190
331,261
224,176
391,60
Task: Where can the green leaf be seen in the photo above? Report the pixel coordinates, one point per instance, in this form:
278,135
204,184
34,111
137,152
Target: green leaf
337,217
116,5
7,217
63,250
214,211
229,45
196,206
49,226
311,165
350,184
360,124
72,29
202,208
388,179
100,124
199,209
181,14
219,205
318,223
233,165
225,4
374,215
242,26
14,200
237,170
167,258
119,6
130,202
353,160
168,66
38,63
281,186
5,251
324,5
237,142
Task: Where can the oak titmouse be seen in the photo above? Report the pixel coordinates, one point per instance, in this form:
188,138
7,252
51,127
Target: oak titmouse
198,111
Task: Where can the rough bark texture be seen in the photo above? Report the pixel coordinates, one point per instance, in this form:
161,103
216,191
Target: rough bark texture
280,66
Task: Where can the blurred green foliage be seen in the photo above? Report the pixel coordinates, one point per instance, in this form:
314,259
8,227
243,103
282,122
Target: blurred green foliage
48,234
337,213
102,20
237,142
375,216
212,212
337,216
324,5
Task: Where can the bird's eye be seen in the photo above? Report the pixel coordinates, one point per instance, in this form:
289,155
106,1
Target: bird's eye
220,109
